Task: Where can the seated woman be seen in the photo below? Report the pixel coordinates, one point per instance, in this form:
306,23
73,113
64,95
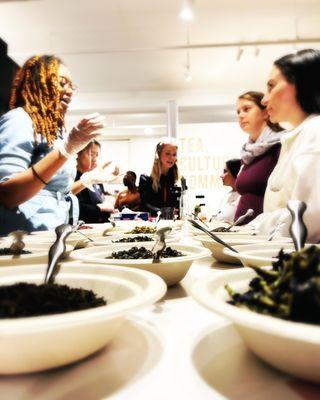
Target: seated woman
157,190
259,155
230,201
130,197
37,159
293,96
94,208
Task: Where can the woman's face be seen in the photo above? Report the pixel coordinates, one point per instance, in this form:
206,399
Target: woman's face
280,99
95,154
251,118
227,177
84,160
66,88
168,156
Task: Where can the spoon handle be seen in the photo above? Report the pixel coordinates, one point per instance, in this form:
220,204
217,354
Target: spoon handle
298,230
243,217
56,251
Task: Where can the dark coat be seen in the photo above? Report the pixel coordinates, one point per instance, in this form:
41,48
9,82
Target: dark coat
252,181
88,200
152,201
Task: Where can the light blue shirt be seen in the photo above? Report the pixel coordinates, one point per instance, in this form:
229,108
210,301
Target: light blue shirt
18,151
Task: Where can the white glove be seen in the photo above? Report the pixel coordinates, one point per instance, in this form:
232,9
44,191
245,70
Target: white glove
106,207
86,130
99,175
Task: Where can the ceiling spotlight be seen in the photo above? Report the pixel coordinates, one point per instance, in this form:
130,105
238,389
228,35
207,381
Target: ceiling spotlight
187,76
186,13
239,54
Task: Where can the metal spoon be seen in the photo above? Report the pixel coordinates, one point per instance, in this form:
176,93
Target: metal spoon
17,242
159,213
298,230
215,215
107,230
212,235
56,251
76,229
242,218
160,244
273,232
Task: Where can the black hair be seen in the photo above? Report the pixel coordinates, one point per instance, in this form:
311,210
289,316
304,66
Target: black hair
94,141
303,70
234,166
133,174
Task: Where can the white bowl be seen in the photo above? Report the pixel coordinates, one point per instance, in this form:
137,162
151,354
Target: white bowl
233,240
289,346
103,241
39,254
243,230
171,270
122,227
259,254
76,240
39,343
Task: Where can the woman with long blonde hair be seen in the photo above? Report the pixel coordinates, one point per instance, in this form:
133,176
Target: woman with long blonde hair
156,190
37,158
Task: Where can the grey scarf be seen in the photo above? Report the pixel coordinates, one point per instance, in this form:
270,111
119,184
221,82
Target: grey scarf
265,141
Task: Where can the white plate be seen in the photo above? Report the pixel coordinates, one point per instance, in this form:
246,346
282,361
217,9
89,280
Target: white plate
260,254
39,343
172,270
289,346
39,254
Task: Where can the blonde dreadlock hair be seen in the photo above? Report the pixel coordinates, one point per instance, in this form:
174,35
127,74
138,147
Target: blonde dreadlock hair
156,168
36,90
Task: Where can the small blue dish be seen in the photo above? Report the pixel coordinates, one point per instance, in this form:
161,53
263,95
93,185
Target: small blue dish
131,216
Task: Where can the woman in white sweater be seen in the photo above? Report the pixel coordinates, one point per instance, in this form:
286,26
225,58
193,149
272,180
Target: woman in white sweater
293,96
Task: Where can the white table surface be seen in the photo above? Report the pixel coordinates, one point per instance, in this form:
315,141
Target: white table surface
174,349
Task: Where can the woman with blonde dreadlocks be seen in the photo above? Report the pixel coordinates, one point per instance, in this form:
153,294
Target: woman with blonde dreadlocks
157,190
37,163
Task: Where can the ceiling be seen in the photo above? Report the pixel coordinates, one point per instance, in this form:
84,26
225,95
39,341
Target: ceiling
129,57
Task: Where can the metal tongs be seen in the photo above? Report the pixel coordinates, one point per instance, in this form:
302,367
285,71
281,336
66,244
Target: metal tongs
17,242
57,250
160,244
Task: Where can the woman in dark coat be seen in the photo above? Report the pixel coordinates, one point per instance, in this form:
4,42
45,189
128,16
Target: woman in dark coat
259,155
157,190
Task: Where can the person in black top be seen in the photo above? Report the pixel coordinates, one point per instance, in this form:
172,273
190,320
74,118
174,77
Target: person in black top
92,204
158,190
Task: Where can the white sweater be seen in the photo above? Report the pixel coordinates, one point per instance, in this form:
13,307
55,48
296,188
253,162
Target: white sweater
228,207
296,176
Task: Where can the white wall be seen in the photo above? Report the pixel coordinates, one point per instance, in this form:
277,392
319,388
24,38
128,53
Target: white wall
135,154
203,150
